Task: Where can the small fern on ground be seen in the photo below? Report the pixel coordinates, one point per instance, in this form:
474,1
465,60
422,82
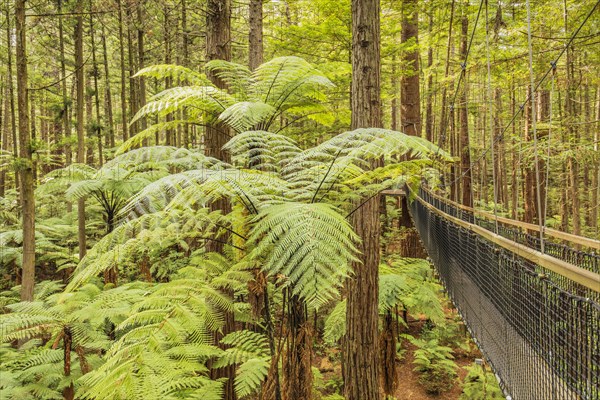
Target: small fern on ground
480,385
437,371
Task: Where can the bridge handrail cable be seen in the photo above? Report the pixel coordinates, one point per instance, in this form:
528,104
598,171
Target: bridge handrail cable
569,237
582,276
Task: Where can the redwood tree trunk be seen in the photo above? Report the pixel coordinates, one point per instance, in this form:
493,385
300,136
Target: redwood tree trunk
361,346
27,198
255,36
465,151
80,121
218,47
410,100
124,121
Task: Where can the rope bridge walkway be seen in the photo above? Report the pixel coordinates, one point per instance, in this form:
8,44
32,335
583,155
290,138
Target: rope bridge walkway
535,315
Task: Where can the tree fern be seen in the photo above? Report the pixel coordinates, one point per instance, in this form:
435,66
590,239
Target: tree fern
308,246
250,351
164,345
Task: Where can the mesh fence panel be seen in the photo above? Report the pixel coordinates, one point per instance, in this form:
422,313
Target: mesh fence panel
540,332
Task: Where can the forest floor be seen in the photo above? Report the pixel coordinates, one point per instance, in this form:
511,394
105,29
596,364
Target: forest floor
409,387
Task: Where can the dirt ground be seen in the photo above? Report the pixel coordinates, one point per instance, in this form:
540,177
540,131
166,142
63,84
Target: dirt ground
409,387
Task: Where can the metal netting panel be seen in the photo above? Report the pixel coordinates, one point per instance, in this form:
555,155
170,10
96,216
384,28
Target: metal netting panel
542,339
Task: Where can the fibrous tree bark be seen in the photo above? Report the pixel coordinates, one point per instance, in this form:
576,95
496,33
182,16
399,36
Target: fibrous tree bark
25,153
465,151
97,126
255,35
360,362
79,111
218,47
125,122
410,100
108,107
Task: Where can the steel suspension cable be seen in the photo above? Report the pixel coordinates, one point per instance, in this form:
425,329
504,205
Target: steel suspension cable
463,72
548,140
528,97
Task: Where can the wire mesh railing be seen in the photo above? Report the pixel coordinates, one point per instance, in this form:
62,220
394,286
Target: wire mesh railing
582,258
540,333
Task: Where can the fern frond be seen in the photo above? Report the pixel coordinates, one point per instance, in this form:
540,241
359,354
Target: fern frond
246,115
176,72
335,324
197,100
308,245
250,375
261,150
237,77
149,133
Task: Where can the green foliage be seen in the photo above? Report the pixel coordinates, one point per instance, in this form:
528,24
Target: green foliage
307,246
250,350
435,366
408,283
256,100
335,324
166,339
480,385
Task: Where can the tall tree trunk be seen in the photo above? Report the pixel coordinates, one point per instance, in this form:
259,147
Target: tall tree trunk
465,150
169,133
255,35
514,184
125,121
500,158
444,115
410,97
218,47
360,361
133,84
395,90
529,190
80,121
141,62
27,198
186,61
5,131
573,136
430,89
33,129
11,94
97,123
596,172
66,125
108,111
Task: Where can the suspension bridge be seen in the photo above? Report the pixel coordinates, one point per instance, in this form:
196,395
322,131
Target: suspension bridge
531,301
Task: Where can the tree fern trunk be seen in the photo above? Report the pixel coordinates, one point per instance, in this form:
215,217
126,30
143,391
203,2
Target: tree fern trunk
297,369
68,391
